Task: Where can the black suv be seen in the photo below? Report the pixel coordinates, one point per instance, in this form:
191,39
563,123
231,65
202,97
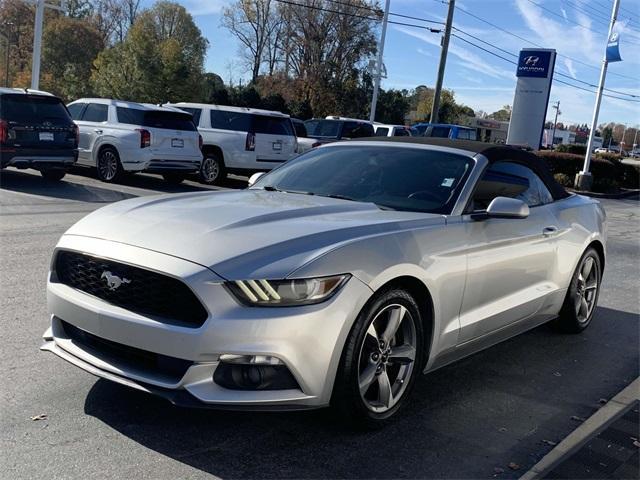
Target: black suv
331,129
36,131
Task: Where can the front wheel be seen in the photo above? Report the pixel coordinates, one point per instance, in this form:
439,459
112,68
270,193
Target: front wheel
53,175
380,361
582,296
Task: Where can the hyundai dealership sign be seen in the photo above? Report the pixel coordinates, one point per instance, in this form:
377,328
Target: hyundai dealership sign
534,73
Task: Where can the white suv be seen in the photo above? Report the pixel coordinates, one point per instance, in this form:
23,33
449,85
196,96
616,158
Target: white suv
118,136
241,140
384,130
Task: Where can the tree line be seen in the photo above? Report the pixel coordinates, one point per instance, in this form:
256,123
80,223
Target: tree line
312,59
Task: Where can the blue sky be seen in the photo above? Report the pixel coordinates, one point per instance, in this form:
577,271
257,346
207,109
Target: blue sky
480,80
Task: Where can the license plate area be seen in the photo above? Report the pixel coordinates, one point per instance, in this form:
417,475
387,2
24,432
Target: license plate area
277,146
45,136
177,143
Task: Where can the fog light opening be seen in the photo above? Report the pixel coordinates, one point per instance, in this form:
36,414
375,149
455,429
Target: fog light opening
253,372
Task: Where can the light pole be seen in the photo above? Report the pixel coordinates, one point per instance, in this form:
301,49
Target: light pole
7,37
555,122
584,180
376,85
37,39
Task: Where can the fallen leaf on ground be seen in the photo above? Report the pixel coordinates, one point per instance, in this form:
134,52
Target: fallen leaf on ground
549,442
636,443
514,466
498,470
603,401
557,374
42,416
502,429
577,419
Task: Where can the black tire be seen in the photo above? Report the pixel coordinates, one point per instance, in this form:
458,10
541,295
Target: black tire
212,170
53,175
347,399
574,316
108,165
174,178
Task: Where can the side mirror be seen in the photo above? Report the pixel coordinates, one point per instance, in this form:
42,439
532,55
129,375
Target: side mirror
505,207
255,177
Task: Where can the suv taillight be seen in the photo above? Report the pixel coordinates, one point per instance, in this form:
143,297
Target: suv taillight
250,143
145,137
4,131
200,141
76,134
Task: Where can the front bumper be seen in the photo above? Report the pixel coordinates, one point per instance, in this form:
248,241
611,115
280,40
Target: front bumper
308,340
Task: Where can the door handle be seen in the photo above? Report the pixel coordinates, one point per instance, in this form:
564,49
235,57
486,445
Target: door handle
98,131
549,231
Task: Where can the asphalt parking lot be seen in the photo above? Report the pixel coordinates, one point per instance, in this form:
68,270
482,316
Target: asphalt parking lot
506,405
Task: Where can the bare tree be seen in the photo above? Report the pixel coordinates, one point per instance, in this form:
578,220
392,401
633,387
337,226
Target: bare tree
257,24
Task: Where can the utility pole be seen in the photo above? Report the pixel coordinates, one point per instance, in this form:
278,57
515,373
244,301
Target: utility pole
635,140
7,37
584,180
555,122
443,60
37,39
376,85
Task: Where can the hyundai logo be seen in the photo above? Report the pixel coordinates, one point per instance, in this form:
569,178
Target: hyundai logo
531,61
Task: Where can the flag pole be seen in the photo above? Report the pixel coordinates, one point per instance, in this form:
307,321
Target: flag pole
584,180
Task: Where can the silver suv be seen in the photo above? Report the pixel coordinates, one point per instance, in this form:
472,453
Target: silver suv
118,137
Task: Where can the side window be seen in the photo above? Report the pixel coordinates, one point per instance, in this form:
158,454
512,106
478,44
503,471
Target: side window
463,134
225,120
382,132
96,112
75,110
195,113
438,132
272,125
509,179
401,132
301,130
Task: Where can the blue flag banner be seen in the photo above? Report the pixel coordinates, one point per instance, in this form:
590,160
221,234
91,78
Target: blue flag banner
613,48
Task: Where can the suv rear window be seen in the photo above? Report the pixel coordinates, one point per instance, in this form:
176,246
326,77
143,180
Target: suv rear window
195,112
382,132
272,125
438,132
156,119
357,130
33,109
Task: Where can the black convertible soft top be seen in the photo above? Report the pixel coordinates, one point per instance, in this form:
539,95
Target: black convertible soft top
493,153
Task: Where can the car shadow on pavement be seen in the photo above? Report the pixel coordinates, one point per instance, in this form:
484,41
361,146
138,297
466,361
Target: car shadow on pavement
469,419
16,181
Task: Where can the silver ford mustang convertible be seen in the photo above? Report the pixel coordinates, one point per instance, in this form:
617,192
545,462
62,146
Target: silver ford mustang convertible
335,279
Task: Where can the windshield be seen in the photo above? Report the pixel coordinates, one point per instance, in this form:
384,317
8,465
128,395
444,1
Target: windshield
397,178
324,128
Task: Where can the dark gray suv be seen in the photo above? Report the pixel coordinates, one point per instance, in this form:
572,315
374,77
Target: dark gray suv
36,131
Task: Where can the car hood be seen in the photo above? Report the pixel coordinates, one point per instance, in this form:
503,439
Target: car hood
245,234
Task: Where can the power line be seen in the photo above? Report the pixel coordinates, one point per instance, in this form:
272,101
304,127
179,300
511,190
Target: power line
538,45
379,12
555,79
557,73
576,23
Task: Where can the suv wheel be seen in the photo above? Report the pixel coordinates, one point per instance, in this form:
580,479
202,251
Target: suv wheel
174,178
108,165
53,175
381,359
212,171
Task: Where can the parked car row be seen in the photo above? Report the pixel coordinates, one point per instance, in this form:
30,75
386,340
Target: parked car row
117,137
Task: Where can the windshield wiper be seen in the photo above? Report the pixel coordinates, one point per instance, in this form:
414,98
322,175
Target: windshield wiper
271,188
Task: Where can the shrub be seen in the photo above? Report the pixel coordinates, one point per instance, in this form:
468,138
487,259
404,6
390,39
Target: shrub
605,185
614,157
627,176
563,179
572,148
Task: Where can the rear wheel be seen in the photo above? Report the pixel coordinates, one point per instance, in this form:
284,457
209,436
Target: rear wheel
381,360
582,296
212,171
53,175
108,165
174,178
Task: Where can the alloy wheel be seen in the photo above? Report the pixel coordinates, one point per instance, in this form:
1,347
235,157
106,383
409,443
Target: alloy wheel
387,358
210,169
586,289
108,165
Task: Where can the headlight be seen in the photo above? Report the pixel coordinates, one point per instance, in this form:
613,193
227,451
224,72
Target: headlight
286,293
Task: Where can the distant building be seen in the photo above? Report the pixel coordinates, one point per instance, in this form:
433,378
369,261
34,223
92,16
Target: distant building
488,130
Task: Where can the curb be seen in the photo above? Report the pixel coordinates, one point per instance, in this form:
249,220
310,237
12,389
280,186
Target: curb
591,427
620,195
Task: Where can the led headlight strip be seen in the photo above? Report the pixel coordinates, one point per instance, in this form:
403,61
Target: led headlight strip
286,292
